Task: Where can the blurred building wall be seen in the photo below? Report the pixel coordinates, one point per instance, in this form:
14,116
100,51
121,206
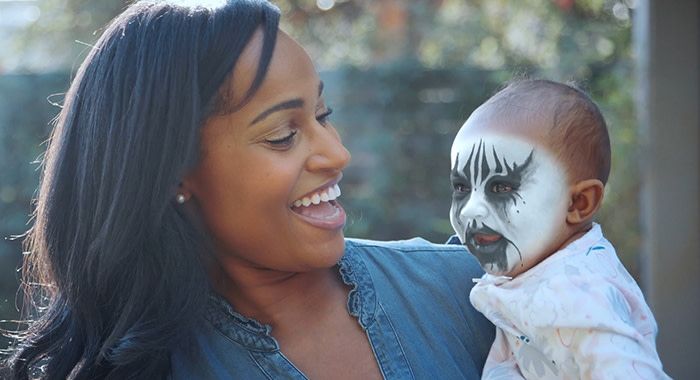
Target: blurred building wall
667,38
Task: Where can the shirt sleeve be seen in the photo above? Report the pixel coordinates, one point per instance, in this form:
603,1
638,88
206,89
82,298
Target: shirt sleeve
595,320
606,354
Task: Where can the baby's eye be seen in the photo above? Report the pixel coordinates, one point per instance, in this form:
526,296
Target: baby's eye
282,142
461,188
500,187
324,116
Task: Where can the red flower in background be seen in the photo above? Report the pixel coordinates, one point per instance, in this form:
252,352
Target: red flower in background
564,5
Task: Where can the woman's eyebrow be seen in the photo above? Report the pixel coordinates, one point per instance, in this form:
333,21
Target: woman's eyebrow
294,103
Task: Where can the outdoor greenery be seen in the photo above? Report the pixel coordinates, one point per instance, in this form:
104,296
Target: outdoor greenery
401,76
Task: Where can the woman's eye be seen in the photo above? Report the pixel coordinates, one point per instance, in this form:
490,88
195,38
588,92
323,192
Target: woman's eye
323,118
283,142
501,188
461,188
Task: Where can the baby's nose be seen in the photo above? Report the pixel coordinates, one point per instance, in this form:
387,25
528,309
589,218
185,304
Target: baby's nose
474,209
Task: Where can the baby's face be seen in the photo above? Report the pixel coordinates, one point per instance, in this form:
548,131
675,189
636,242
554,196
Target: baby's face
509,200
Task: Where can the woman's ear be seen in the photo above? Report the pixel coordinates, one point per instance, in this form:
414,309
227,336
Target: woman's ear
184,191
586,198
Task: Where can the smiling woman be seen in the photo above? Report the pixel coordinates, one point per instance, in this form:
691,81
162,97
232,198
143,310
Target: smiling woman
277,149
188,223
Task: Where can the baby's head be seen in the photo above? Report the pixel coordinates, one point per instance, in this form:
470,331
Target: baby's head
529,168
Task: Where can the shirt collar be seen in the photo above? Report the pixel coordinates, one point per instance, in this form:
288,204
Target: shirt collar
257,336
588,240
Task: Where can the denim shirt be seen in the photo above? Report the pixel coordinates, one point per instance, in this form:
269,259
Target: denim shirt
410,297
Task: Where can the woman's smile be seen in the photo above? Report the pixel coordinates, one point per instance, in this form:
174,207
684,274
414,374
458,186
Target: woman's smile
320,207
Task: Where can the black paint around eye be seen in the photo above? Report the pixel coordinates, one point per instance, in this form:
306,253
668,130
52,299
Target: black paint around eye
504,173
499,187
461,178
513,178
461,188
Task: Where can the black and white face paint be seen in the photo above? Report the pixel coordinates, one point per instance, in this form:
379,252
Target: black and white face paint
509,199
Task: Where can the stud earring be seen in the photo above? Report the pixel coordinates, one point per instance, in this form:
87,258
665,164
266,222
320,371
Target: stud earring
180,198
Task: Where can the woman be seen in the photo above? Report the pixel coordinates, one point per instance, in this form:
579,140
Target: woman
187,224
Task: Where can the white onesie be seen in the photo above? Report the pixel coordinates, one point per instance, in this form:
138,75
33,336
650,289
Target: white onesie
576,315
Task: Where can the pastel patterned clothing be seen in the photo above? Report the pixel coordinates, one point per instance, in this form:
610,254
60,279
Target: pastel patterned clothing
576,315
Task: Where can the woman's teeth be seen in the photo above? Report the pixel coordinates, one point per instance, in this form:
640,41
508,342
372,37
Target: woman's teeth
325,195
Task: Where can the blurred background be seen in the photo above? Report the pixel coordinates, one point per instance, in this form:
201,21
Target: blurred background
401,77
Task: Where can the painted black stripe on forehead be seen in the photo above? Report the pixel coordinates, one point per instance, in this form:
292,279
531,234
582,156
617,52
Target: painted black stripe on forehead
481,165
455,173
518,170
477,161
499,168
485,170
482,168
466,171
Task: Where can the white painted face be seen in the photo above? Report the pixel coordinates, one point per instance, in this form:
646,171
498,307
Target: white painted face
509,199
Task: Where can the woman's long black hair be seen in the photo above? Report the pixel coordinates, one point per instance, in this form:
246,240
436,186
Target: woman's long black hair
114,276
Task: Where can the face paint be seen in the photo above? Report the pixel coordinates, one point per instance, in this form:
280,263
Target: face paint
509,199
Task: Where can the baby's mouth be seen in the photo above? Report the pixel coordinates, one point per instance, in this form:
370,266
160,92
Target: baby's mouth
483,237
486,239
488,246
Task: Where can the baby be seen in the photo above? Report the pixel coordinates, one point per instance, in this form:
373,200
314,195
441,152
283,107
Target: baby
529,169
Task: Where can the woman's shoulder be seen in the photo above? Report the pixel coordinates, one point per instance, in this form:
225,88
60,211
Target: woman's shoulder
416,243
416,247
419,283
414,266
449,260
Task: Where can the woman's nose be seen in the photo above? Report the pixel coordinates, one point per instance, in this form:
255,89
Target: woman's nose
475,208
327,151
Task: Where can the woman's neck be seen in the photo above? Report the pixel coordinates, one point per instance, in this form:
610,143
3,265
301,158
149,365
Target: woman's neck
276,298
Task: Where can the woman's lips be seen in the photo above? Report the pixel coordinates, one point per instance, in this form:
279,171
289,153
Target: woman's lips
320,208
327,215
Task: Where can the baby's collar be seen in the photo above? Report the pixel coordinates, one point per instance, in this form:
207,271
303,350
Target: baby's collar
489,279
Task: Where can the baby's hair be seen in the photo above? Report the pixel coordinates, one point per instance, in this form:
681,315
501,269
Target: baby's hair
578,134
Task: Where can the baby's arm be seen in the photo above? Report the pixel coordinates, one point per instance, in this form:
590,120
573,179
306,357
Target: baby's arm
607,328
501,364
606,354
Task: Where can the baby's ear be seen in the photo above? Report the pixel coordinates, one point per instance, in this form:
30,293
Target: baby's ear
585,198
